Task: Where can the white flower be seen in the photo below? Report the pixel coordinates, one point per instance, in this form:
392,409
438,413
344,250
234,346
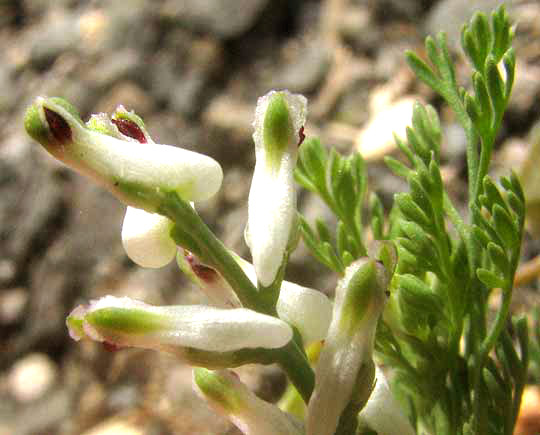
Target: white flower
136,173
146,238
308,310
230,397
126,322
279,117
346,357
382,412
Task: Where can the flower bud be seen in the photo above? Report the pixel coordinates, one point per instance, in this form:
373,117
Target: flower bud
348,348
279,119
230,397
137,173
126,322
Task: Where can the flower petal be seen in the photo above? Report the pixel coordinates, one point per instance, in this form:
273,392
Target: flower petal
146,239
345,362
218,291
382,412
308,310
137,173
279,116
127,322
230,397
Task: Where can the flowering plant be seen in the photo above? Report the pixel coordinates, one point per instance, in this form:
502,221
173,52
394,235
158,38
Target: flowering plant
413,300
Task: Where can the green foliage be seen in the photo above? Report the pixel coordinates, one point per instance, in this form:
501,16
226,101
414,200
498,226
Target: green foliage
534,347
341,183
459,369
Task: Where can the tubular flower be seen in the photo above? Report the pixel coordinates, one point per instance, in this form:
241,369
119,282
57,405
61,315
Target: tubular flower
279,119
308,310
136,173
230,397
345,368
124,322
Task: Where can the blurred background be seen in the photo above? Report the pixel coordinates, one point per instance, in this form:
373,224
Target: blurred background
193,70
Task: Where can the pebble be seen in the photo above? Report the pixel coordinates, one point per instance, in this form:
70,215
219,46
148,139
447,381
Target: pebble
31,377
222,19
377,138
12,303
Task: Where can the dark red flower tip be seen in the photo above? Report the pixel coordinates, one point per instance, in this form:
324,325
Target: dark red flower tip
130,129
111,347
58,126
205,273
301,136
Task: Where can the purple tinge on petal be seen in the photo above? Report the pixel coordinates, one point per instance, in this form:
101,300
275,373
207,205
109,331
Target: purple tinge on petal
130,129
301,136
60,129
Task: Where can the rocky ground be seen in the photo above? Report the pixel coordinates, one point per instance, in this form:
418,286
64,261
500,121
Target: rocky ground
193,70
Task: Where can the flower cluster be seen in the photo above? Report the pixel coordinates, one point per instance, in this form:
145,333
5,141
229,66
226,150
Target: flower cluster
253,315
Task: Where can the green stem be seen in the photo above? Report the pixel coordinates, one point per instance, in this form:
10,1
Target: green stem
486,347
212,251
294,362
